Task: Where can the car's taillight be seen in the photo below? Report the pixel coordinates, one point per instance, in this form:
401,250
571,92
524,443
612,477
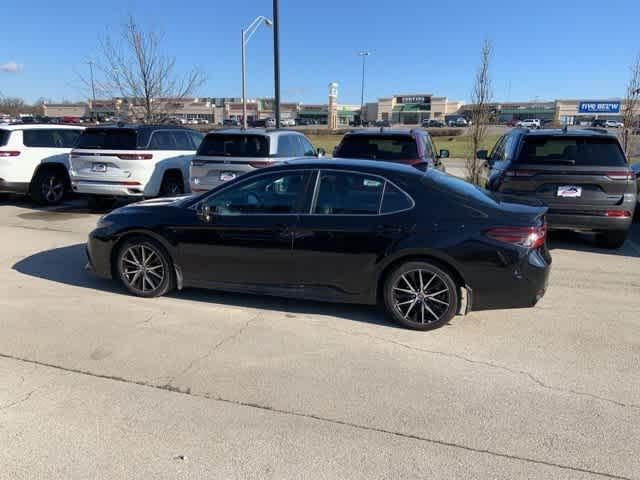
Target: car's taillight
9,153
618,213
198,163
516,172
620,175
259,164
135,156
529,237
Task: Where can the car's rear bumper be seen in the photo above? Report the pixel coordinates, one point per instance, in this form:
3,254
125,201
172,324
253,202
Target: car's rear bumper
588,222
14,187
107,188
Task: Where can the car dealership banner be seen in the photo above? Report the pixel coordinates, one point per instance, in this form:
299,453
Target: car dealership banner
599,107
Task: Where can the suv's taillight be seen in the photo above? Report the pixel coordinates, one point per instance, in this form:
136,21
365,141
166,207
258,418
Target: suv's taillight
9,153
259,164
529,237
198,163
134,156
516,172
620,175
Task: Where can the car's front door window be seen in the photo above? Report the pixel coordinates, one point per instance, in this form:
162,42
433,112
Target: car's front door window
274,194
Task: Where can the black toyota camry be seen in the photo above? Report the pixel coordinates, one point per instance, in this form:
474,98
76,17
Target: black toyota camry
425,245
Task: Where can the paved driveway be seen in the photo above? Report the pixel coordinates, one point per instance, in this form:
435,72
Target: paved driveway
98,384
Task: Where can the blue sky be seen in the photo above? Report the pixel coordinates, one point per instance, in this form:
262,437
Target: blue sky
544,49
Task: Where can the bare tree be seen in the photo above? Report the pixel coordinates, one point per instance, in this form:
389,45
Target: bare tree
480,97
630,106
12,105
134,67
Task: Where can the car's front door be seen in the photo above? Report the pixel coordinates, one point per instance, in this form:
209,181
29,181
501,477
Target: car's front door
351,226
248,239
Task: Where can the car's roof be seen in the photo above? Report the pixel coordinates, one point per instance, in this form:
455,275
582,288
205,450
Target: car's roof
138,126
381,131
561,132
254,131
38,126
378,166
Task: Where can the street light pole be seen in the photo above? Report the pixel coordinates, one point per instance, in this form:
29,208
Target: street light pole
93,88
364,56
247,33
276,59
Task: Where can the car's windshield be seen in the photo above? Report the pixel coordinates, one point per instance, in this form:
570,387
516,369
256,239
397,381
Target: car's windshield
108,139
584,151
234,145
378,147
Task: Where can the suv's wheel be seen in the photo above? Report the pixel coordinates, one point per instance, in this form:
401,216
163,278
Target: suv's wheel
144,268
612,239
48,187
420,295
99,203
172,185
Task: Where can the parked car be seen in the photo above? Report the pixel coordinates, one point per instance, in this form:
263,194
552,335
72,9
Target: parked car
582,175
336,230
613,124
599,123
287,122
411,147
382,123
228,154
228,122
302,121
263,123
529,123
458,122
34,159
132,161
433,123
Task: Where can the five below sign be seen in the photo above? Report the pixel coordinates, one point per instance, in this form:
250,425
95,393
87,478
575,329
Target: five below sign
599,107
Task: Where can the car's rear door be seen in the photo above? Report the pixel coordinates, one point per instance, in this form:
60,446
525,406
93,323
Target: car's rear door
569,172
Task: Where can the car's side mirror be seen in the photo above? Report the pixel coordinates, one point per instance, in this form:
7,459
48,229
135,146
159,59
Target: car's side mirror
321,152
205,213
444,154
482,154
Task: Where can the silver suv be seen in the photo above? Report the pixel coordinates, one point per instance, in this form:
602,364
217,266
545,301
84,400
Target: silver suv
227,154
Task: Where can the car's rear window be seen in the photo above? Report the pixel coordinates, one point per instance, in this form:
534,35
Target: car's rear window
234,145
4,137
584,151
378,147
108,139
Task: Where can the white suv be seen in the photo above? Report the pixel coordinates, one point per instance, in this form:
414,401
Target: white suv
132,161
529,123
34,159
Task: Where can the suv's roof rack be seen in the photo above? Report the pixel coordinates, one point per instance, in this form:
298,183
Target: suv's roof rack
593,129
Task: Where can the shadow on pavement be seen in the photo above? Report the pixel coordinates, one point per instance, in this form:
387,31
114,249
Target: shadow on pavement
586,242
66,265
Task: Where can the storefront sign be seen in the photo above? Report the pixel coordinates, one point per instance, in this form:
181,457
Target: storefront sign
413,100
599,107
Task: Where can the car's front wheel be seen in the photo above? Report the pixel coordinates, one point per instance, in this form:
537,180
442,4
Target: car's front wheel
612,239
420,295
145,268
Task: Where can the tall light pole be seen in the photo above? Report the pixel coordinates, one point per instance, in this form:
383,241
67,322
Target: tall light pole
247,33
93,88
364,56
276,59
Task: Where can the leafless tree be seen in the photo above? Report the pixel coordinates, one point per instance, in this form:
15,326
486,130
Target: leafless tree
481,96
12,105
630,106
135,67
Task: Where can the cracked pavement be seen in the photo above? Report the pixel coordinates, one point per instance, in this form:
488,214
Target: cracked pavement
98,384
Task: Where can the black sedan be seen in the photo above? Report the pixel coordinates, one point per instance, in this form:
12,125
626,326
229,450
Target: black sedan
424,244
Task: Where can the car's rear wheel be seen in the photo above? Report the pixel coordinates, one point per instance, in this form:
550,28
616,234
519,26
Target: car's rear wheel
48,187
612,239
172,185
144,268
420,295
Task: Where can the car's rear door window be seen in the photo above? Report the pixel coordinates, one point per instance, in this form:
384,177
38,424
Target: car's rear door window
162,140
395,200
182,140
348,193
566,150
4,137
234,145
378,147
108,139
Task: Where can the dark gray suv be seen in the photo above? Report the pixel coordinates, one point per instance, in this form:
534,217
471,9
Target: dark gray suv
581,175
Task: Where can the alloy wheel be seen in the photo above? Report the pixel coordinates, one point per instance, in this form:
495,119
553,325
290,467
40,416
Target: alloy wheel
421,296
52,189
142,268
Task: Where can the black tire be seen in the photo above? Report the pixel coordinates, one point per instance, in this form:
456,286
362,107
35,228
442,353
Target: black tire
49,186
612,239
99,203
152,276
172,185
437,302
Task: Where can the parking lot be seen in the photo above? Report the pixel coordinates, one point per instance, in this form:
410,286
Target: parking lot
95,383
